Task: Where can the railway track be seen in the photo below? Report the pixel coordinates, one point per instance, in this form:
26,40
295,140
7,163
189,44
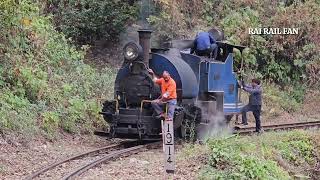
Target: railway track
274,127
103,154
107,153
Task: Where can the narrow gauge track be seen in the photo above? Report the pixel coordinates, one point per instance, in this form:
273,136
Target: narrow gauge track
274,127
118,149
115,154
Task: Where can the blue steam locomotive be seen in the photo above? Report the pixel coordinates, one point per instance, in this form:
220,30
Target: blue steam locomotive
205,88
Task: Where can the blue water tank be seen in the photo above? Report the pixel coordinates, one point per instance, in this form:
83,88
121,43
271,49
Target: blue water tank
180,71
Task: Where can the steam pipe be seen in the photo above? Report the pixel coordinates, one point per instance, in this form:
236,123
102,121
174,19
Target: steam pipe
144,41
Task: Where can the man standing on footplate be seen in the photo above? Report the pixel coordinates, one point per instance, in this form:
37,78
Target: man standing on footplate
168,95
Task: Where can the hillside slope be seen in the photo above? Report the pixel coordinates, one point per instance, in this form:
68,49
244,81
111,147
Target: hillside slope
44,84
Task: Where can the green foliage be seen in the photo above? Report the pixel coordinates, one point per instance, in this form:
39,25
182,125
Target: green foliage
44,82
191,151
51,121
175,19
229,162
280,58
283,59
296,147
288,99
256,157
2,168
89,20
16,113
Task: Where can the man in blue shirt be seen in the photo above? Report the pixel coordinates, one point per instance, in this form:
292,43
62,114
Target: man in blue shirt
255,102
205,45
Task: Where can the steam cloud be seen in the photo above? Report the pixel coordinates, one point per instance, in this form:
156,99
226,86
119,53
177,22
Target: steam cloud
213,123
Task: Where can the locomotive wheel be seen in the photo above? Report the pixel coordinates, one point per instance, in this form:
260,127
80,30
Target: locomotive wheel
192,117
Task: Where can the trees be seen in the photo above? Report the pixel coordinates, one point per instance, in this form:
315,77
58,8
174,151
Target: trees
44,84
88,20
284,59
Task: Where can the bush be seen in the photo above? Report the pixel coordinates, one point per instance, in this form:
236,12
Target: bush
280,58
17,114
44,83
176,20
260,157
283,59
288,99
90,20
229,162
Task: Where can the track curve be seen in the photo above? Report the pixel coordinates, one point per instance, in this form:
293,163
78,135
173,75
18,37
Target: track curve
98,150
115,154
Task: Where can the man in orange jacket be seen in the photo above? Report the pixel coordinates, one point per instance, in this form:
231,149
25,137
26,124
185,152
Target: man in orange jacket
168,95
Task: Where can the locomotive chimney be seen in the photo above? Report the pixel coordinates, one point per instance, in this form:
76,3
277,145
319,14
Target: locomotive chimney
144,41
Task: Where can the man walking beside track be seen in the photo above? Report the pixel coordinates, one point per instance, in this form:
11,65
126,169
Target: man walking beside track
255,102
168,95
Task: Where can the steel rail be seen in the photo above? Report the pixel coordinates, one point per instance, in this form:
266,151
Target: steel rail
53,165
107,157
297,125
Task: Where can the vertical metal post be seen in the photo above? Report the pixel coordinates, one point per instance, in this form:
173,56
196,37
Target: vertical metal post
162,133
168,129
168,141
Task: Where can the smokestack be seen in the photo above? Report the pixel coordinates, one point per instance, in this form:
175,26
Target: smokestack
144,41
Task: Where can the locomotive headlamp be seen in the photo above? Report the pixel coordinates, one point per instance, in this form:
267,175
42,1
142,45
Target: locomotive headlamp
132,51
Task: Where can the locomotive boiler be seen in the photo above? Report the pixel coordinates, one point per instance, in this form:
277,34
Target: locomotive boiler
205,88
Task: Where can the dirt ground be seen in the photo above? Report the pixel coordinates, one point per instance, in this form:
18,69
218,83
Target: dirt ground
146,165
19,160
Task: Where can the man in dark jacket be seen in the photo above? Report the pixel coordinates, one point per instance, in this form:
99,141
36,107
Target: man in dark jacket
255,101
205,45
